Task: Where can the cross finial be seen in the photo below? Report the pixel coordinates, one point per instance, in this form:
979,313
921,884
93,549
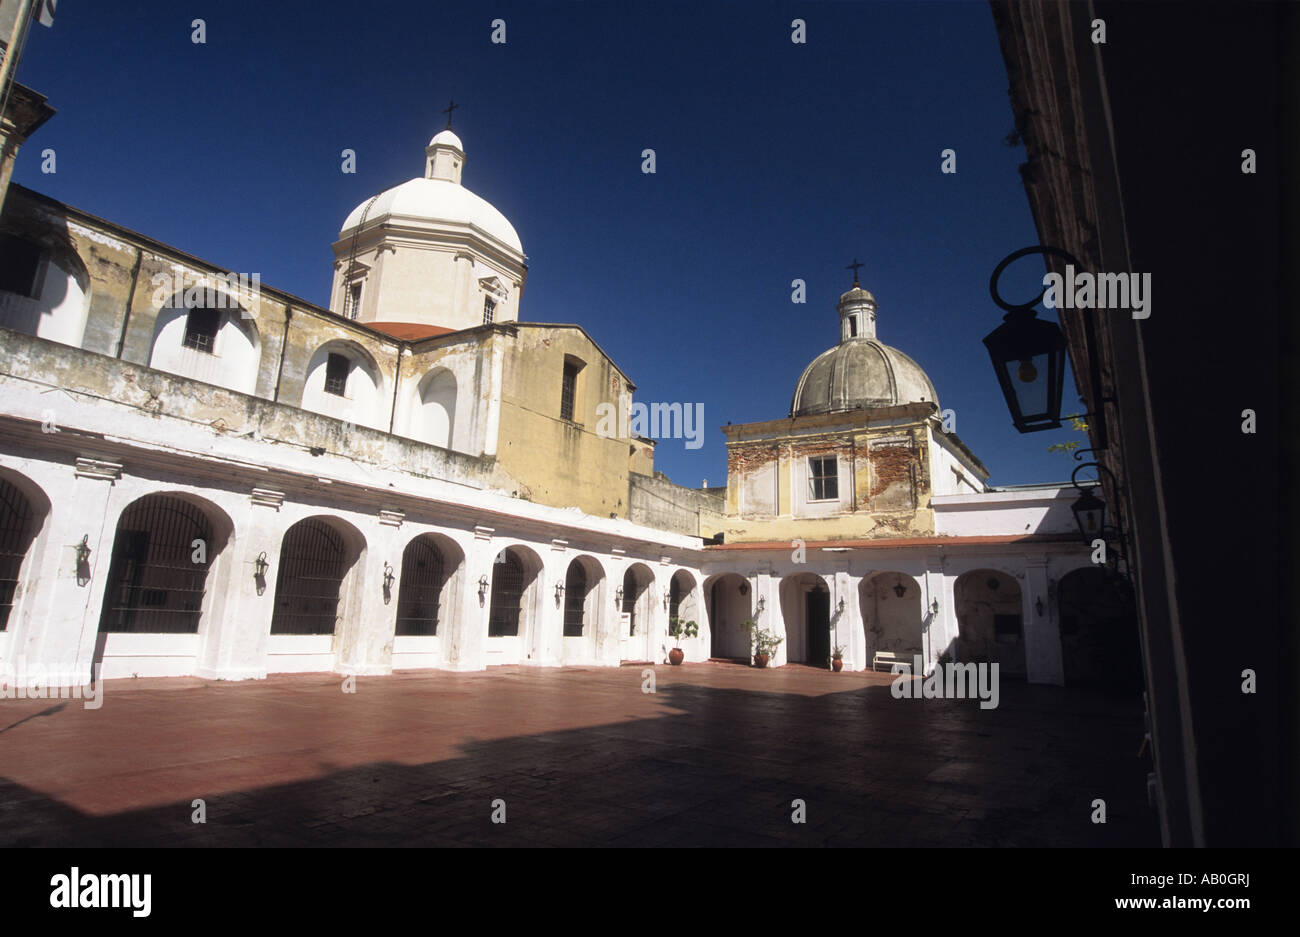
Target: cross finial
854,267
451,106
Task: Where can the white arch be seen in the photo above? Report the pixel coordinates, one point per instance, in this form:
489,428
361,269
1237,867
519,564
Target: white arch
235,356
432,417
363,399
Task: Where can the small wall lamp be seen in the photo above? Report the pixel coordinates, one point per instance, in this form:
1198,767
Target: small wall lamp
83,560
618,596
900,590
559,593
840,607
934,607
388,582
1038,606
667,599
482,590
762,603
260,566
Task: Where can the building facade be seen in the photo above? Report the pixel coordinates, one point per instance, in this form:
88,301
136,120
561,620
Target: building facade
202,475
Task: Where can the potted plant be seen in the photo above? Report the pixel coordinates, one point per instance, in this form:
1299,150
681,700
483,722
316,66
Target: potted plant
679,629
837,658
765,642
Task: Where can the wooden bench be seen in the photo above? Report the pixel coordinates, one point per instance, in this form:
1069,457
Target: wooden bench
890,658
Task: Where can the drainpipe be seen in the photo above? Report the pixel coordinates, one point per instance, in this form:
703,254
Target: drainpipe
403,351
130,302
284,346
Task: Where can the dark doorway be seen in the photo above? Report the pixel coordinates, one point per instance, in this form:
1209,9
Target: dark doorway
817,614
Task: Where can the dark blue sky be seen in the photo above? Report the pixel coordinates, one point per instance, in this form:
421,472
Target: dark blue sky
774,160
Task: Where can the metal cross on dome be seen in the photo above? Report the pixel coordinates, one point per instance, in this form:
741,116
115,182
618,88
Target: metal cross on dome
854,267
451,106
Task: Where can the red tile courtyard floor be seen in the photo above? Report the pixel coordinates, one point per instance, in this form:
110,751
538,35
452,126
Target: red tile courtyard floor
716,756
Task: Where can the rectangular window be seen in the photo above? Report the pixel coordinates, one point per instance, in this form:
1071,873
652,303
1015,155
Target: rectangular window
201,329
823,479
489,309
853,326
354,300
568,390
336,374
20,261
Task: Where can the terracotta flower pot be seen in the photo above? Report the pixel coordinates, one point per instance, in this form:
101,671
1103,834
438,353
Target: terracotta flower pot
837,665
760,660
676,656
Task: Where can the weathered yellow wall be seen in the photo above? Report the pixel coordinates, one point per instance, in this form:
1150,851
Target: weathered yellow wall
891,478
558,462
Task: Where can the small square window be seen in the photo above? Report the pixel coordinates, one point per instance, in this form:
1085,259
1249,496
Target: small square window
201,327
823,479
336,374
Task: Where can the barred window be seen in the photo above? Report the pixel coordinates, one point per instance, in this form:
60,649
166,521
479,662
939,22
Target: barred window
575,594
489,309
201,327
823,479
568,390
336,374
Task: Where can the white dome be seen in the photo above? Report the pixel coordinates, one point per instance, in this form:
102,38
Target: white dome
437,200
447,138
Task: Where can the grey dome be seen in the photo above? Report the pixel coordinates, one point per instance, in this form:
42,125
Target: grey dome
860,372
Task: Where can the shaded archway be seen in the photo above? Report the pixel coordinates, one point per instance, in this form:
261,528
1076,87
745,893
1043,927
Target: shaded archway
23,510
316,556
1099,632
636,603
806,611
730,603
583,586
428,586
892,618
990,620
163,549
429,564
684,607
513,615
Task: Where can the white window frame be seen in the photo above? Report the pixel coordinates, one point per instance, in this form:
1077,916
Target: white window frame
812,479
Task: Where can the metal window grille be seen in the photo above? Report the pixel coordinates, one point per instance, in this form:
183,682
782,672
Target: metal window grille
568,391
201,327
17,528
420,588
489,309
823,479
575,595
154,585
507,596
336,374
312,563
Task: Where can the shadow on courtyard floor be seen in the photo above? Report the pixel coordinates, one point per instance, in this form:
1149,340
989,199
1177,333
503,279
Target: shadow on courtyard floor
721,771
